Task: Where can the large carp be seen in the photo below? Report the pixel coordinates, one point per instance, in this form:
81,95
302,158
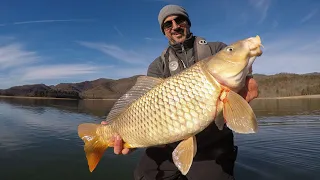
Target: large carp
161,111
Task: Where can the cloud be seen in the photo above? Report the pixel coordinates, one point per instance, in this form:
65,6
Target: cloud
47,21
309,16
6,39
51,74
275,24
118,31
148,38
262,6
128,56
44,72
292,52
124,72
154,39
13,55
19,66
166,1
135,62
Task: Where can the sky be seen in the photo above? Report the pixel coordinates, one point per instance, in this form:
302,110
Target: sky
56,41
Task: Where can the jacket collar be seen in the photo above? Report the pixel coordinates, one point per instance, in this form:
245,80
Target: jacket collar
187,44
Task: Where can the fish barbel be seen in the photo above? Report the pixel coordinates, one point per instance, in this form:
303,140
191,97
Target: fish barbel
158,111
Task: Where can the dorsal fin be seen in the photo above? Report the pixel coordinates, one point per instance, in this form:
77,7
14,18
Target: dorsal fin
142,85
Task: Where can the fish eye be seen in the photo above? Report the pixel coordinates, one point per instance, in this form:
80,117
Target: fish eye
229,49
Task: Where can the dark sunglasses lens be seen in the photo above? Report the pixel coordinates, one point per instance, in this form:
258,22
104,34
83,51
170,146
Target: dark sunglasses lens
167,24
180,20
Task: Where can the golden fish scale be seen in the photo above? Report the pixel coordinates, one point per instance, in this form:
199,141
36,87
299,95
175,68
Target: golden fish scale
182,105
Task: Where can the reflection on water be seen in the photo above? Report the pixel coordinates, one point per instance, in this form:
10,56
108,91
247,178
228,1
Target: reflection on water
284,107
39,141
288,143
94,107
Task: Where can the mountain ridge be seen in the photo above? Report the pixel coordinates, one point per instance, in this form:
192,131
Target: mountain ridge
277,85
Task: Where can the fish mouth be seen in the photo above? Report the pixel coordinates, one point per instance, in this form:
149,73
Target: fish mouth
235,80
254,44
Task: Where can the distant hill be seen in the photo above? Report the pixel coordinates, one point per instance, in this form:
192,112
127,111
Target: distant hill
97,89
278,85
288,84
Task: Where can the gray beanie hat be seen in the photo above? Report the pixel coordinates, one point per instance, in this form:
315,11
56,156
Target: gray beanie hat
171,10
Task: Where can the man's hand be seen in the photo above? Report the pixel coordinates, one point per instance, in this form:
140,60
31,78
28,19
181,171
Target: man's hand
250,91
118,144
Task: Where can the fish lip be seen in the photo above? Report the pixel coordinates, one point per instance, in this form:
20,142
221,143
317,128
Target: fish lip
254,44
256,51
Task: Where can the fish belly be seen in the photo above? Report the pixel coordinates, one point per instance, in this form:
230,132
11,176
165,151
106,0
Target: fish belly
180,107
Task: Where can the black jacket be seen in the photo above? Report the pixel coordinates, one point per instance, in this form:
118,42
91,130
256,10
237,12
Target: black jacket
215,149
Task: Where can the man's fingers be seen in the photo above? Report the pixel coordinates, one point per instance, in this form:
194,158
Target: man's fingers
252,89
252,85
125,151
104,122
118,145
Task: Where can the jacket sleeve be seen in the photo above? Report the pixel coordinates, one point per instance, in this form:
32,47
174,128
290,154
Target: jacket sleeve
155,69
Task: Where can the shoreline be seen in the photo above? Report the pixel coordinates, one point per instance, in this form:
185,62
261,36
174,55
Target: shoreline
31,97
99,99
259,98
292,97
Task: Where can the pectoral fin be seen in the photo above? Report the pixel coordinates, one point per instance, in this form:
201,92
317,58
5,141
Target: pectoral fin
238,114
183,154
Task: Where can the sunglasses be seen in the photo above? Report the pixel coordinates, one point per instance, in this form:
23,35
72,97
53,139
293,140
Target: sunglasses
180,21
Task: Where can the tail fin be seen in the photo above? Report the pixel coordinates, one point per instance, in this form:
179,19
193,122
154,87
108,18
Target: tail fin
94,146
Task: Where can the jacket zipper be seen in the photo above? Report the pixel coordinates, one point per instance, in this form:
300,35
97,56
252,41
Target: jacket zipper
185,54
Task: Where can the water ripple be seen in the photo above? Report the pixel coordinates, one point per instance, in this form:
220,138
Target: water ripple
39,141
291,143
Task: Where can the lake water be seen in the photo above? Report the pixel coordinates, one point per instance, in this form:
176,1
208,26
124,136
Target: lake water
38,140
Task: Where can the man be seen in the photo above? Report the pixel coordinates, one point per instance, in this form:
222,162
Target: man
216,152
